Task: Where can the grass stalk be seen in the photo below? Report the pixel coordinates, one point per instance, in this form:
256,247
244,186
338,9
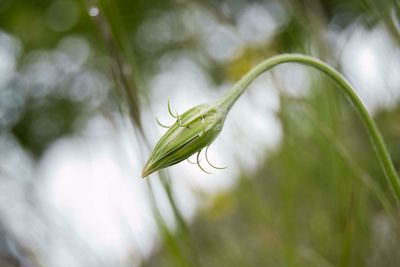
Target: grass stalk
375,136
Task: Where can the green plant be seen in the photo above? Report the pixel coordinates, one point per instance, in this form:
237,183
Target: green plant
197,128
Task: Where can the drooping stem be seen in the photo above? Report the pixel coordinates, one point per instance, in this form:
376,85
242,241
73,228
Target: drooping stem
376,138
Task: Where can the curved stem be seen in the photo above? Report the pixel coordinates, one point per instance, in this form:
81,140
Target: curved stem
376,138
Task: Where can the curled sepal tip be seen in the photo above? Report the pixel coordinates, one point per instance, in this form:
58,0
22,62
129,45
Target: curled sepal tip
161,124
212,165
170,111
198,163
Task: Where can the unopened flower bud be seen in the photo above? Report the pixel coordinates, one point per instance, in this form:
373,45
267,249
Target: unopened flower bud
194,130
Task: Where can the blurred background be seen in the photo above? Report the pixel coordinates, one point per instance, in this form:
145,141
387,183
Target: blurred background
81,83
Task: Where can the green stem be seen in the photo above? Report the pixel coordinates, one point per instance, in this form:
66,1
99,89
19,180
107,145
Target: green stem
376,138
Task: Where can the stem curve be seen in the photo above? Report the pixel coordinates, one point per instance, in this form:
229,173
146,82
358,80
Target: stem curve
226,102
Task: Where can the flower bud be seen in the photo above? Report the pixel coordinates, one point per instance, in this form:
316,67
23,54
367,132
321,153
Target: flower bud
194,130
